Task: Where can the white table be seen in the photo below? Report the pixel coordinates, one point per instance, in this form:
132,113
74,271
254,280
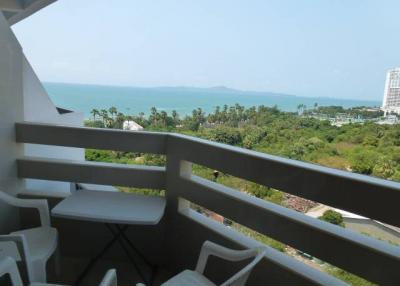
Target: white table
117,211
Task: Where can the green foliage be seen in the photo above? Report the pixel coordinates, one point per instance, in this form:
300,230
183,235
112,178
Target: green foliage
265,193
252,136
260,237
227,135
384,168
332,217
348,277
363,161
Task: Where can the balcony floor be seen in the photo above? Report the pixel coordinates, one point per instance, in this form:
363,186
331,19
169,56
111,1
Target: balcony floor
127,275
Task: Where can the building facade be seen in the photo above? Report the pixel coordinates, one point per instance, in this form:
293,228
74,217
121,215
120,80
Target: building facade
391,97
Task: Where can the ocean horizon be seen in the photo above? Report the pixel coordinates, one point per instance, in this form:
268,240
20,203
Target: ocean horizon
133,100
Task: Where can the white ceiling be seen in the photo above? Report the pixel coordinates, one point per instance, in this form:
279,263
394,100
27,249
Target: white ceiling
17,10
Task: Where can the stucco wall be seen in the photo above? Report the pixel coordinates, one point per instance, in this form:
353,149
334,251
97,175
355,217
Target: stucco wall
38,107
11,110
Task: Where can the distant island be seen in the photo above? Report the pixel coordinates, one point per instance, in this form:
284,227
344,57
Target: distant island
222,89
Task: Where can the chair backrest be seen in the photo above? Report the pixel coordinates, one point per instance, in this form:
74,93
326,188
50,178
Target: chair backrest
9,267
240,278
17,249
7,198
110,279
40,205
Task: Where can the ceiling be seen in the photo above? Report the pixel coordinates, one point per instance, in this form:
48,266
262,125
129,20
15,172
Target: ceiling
17,10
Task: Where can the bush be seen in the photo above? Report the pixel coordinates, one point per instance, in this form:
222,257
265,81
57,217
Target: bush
226,135
332,217
363,161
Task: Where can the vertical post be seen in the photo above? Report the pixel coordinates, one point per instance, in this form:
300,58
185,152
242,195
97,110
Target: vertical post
11,111
175,168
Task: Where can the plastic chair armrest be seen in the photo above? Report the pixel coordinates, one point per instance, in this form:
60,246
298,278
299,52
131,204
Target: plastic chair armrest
23,249
40,205
110,279
8,266
210,248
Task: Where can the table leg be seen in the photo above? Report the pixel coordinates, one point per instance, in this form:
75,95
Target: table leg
93,260
121,233
154,268
120,236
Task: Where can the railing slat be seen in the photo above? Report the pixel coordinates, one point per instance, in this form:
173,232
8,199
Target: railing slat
364,195
90,172
96,138
312,236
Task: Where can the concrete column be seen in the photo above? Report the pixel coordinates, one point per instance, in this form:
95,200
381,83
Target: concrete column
11,111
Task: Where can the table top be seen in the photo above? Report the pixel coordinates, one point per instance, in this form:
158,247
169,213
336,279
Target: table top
111,207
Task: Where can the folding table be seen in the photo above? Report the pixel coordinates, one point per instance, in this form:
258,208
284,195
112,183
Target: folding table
117,210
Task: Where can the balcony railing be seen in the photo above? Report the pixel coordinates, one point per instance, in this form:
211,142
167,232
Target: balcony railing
374,198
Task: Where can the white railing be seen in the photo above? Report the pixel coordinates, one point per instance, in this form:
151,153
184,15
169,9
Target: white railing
375,198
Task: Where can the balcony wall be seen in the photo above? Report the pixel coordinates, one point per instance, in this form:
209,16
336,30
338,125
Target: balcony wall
176,242
11,111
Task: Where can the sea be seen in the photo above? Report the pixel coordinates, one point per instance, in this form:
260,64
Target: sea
133,100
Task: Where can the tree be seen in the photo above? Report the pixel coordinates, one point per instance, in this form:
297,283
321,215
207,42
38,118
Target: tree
104,116
384,168
119,120
94,112
300,109
227,135
332,217
363,161
175,117
164,118
113,111
153,118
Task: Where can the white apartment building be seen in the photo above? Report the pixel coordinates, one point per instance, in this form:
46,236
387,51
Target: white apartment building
391,97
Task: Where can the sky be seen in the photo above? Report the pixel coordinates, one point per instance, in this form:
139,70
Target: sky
318,48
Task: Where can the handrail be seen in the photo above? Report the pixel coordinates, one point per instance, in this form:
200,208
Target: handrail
96,138
92,172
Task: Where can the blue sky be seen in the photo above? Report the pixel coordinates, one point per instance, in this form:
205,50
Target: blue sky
329,48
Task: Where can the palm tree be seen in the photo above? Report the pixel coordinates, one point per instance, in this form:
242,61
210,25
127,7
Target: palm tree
113,110
175,116
154,115
94,112
164,117
104,116
120,120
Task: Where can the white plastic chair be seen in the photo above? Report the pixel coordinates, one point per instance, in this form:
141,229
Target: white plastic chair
197,278
34,246
8,266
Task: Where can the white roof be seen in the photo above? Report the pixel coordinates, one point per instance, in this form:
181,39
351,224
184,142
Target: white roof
131,124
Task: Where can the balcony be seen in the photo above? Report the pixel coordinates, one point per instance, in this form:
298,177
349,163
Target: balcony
175,242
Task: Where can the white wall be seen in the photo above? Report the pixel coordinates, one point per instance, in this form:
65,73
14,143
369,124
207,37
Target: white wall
38,107
11,110
23,98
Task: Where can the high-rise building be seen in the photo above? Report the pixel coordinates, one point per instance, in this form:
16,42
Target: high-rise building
391,98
